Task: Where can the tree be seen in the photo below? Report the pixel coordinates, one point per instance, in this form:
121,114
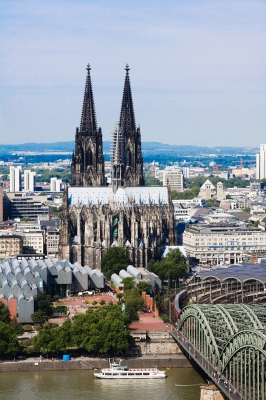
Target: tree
8,340
128,282
144,287
4,313
44,303
42,341
188,194
16,327
39,317
114,259
151,181
212,203
133,303
101,331
170,267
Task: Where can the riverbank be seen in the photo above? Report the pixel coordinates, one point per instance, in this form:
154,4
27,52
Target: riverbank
87,363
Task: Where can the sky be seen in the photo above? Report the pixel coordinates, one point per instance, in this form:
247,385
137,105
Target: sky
197,68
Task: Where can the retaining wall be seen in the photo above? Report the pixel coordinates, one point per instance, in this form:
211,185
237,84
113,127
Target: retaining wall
92,363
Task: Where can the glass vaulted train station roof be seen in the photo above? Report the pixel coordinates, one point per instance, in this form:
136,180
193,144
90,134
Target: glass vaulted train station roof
242,273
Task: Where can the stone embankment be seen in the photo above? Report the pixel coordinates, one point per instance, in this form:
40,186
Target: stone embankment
210,392
86,363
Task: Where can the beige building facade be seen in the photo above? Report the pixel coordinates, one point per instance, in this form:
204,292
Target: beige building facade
175,179
222,244
10,246
32,242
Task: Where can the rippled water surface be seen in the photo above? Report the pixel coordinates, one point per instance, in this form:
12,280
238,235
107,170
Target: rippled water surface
71,385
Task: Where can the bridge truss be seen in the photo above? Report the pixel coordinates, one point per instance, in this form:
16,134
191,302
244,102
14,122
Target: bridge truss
232,338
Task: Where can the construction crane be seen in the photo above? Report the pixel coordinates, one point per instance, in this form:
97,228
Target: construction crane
241,162
217,167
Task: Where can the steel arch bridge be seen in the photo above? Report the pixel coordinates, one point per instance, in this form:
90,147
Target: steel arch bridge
229,342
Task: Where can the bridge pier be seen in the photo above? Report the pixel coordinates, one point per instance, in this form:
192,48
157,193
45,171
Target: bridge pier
210,392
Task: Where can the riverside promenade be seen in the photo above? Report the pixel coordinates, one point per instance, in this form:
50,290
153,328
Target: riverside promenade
88,363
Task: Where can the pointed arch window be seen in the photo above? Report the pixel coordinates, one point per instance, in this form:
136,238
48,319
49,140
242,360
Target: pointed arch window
128,157
89,157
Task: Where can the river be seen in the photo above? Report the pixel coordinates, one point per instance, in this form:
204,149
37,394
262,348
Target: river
72,385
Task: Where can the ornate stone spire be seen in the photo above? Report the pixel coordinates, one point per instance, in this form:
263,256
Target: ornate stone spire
133,163
88,121
127,116
87,162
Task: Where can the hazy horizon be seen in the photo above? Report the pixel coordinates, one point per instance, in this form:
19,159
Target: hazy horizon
198,69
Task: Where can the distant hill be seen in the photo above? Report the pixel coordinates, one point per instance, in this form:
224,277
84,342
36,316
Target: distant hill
147,148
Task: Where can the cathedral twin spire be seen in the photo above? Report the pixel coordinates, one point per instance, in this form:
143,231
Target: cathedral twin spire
88,121
87,161
127,115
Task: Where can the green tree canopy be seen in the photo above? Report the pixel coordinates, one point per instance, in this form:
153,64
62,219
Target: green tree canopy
4,313
99,331
44,303
8,338
170,267
39,317
144,286
133,303
212,203
188,194
114,259
129,283
151,181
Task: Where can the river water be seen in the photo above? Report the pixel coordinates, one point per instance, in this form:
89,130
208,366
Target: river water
72,385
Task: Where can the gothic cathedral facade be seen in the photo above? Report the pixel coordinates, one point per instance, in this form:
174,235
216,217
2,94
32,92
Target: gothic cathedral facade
125,213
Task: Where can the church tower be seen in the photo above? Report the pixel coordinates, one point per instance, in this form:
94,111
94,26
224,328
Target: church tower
87,166
132,174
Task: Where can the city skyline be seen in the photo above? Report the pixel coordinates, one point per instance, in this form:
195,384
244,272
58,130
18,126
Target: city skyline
197,70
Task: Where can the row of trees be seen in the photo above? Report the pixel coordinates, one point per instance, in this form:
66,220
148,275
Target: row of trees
101,330
98,331
172,266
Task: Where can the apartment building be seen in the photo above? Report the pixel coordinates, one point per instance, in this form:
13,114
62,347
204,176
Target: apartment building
222,244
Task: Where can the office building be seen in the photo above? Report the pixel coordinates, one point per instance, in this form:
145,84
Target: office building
174,178
15,179
261,163
55,185
1,204
18,205
29,181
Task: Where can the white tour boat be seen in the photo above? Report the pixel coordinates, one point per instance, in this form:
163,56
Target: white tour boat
118,371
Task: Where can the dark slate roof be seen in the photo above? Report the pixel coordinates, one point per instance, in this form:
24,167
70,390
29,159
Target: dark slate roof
241,273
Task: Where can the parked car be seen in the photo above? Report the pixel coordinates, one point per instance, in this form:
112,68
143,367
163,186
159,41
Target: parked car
86,293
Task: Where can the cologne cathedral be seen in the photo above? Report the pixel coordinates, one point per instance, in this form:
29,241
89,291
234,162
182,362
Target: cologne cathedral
125,213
